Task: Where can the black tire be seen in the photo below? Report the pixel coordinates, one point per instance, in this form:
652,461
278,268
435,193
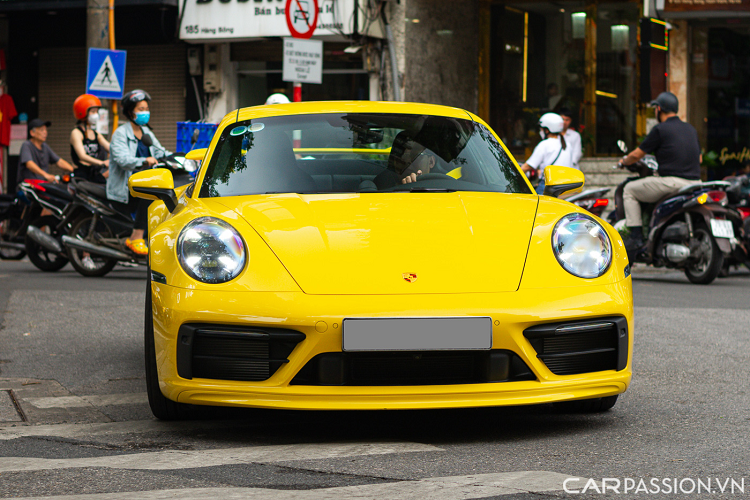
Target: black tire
38,255
709,266
596,405
80,229
162,407
8,229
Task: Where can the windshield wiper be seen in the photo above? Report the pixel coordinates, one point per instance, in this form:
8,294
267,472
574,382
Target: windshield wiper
421,189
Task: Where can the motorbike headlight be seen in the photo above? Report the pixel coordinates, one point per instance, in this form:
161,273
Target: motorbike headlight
582,246
211,251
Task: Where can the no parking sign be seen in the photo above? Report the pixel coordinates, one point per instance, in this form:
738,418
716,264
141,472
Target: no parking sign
302,17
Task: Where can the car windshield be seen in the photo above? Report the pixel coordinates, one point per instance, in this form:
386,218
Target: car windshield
359,153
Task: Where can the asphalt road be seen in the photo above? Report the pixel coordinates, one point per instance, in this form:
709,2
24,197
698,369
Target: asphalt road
71,361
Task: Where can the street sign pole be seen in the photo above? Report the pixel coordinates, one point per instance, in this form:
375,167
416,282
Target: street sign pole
297,96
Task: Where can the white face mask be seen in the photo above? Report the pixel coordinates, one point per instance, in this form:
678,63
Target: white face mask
93,119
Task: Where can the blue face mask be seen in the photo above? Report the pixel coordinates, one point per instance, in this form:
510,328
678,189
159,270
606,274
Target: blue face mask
142,117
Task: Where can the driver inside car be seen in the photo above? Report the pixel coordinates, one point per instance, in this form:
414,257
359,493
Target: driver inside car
407,161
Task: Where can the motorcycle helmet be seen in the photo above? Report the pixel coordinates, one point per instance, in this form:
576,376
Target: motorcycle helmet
667,102
277,99
132,98
83,103
552,122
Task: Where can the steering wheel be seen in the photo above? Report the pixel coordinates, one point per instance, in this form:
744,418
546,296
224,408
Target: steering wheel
434,177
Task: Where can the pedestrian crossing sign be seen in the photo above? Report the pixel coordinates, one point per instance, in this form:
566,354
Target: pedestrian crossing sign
105,76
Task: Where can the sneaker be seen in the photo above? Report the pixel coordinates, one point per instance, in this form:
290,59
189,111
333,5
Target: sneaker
88,263
138,247
634,243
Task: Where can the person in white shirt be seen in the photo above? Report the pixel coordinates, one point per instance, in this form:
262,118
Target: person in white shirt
553,150
572,138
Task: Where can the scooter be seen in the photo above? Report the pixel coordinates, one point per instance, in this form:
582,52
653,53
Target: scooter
592,200
689,230
26,228
95,242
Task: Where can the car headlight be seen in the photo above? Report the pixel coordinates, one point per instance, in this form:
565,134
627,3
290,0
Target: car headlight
582,246
211,251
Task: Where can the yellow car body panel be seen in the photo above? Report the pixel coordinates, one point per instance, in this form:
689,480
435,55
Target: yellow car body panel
314,260
362,243
511,313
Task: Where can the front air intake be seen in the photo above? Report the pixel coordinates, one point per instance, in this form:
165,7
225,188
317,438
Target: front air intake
581,346
224,352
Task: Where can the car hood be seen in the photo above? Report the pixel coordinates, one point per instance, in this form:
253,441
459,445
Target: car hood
398,243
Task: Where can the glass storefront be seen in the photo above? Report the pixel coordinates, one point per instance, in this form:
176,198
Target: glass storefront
727,85
574,55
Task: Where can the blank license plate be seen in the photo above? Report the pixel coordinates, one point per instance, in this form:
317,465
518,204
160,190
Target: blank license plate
722,228
416,334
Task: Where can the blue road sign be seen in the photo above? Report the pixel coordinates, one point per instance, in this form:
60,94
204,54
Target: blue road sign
105,76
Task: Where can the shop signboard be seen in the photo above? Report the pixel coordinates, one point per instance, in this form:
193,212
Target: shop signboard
216,20
704,5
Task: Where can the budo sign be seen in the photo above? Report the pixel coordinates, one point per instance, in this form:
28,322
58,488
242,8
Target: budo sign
301,17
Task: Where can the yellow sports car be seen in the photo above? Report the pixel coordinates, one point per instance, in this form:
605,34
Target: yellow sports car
377,255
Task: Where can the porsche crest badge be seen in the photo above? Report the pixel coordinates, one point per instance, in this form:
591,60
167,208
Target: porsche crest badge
410,277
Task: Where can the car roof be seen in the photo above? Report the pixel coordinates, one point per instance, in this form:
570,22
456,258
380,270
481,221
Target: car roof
315,107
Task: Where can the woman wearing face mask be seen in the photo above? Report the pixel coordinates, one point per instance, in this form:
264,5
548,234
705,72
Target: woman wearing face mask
553,150
129,153
88,149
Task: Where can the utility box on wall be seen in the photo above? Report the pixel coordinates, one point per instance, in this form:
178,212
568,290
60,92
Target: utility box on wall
212,71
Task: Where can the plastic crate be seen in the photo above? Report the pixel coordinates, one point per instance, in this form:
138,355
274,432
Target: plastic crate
185,131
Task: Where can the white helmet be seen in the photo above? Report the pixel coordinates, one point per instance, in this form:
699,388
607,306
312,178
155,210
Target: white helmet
277,99
552,122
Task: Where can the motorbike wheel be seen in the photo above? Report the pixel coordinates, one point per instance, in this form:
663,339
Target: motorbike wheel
8,228
42,258
711,259
82,229
162,407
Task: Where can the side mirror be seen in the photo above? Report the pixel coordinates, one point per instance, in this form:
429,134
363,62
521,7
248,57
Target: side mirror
562,180
196,154
154,184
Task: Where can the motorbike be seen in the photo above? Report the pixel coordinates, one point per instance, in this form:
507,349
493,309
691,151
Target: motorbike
592,200
98,229
692,230
28,223
738,199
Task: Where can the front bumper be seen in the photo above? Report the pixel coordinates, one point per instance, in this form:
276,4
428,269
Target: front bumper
320,317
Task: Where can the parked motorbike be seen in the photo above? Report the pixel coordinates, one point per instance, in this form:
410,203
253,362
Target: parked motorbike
29,223
592,200
738,200
95,242
691,230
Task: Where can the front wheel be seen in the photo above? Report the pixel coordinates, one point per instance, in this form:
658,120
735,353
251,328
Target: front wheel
707,260
596,405
92,231
42,258
162,407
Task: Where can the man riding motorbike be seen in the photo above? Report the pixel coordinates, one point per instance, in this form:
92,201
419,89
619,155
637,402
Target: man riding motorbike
128,153
676,147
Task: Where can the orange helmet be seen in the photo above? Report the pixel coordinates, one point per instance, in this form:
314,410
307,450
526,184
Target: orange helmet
83,103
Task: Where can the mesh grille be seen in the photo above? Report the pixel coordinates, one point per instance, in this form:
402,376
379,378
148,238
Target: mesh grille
579,347
233,353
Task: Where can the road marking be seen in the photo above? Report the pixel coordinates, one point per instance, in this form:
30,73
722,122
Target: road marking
435,488
83,401
178,459
105,428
